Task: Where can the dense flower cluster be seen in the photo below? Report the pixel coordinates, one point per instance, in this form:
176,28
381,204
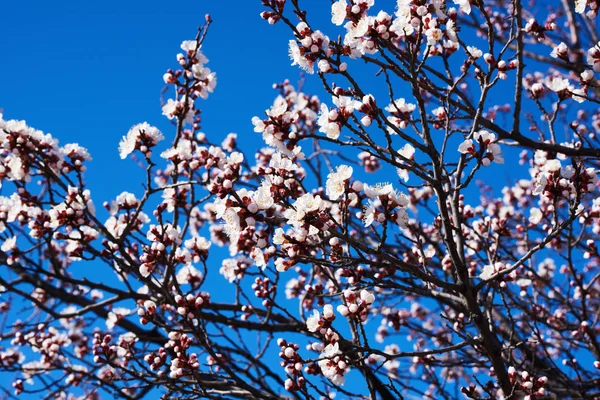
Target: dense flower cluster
363,245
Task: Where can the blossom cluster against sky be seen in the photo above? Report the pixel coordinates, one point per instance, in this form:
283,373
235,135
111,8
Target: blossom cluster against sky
87,71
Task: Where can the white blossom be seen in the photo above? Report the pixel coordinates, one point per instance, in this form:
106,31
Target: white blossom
312,322
366,296
535,215
299,59
128,143
328,127
263,197
336,181
338,12
474,52
557,84
464,5
466,146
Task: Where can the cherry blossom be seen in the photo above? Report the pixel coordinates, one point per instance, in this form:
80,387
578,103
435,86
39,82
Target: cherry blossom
354,234
338,12
336,181
141,136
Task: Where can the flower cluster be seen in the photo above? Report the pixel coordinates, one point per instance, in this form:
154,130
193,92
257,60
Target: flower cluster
400,112
312,46
289,119
201,79
383,196
356,304
338,182
333,364
534,388
468,273
140,137
158,253
582,5
292,363
331,121
552,179
25,151
489,150
316,322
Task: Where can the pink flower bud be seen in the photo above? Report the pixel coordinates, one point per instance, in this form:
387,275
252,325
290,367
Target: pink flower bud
342,309
289,352
289,384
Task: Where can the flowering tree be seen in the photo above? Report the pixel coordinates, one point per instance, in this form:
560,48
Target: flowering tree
433,285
